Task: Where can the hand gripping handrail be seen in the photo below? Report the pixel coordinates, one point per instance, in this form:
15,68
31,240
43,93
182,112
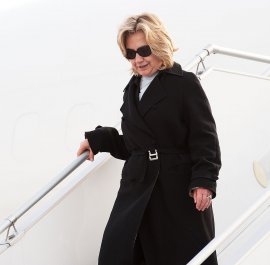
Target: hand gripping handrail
8,222
214,49
234,230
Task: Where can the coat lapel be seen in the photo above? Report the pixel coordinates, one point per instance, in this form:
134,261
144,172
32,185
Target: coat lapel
156,92
130,106
153,94
134,110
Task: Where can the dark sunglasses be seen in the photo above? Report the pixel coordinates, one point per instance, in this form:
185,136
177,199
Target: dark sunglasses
143,51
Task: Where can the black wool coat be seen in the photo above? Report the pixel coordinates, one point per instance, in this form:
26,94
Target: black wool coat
154,220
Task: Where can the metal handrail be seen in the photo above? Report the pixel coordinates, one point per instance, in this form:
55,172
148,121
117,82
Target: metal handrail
214,49
9,221
233,231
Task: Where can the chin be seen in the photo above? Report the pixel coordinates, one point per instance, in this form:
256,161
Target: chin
144,73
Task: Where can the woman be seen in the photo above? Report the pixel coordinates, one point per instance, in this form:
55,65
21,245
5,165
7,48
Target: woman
162,214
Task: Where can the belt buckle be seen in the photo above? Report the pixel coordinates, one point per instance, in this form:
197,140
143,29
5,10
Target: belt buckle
153,156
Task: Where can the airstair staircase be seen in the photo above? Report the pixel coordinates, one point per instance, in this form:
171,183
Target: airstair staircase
62,224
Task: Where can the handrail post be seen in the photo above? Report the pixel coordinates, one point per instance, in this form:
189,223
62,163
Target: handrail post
200,57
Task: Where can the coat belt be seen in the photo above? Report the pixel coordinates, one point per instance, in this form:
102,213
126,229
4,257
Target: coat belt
153,153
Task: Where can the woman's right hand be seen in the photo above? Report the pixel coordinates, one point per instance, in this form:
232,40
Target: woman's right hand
84,146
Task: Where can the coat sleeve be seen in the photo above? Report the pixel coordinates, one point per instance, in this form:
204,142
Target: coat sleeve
202,139
107,139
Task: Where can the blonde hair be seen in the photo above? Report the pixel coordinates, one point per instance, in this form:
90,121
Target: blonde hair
155,34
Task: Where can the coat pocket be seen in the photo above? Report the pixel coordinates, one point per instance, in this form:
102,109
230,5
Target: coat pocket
134,169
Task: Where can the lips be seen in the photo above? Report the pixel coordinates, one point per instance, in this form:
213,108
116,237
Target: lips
143,66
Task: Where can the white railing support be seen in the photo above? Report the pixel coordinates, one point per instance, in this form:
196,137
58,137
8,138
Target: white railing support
214,49
9,221
199,57
238,226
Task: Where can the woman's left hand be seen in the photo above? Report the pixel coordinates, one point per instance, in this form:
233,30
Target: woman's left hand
202,198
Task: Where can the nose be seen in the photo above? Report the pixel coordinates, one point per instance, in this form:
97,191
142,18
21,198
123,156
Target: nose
138,58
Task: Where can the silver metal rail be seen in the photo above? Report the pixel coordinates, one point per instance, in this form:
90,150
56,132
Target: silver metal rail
234,230
214,49
10,221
